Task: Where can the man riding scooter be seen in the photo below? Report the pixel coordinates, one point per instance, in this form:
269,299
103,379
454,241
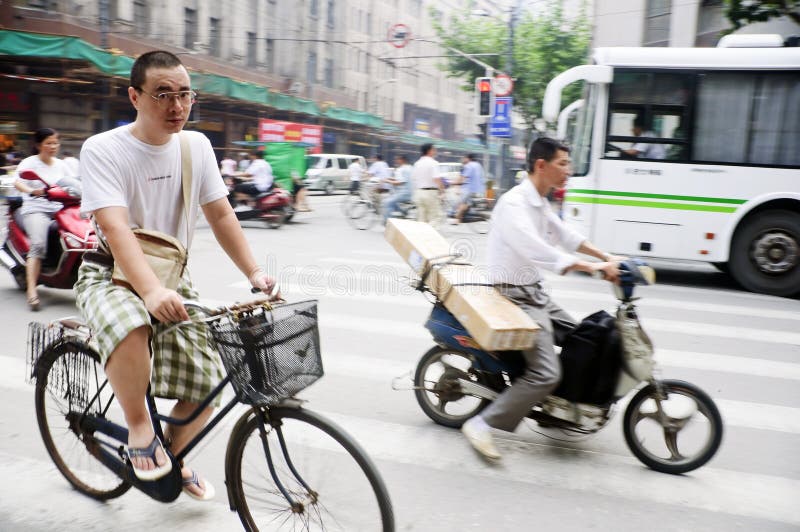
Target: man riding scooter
523,238
256,179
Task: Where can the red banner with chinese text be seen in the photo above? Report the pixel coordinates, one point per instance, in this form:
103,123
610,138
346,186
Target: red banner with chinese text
280,131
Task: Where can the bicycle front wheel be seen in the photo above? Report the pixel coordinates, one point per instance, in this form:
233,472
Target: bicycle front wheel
362,215
332,483
71,383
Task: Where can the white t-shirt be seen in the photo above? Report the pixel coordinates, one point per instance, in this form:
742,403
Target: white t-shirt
261,171
119,170
228,166
648,150
380,169
355,171
425,170
51,173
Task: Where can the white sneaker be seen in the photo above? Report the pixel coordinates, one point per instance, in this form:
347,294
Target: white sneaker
479,435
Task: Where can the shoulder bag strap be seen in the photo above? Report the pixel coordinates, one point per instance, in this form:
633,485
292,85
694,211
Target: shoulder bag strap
186,182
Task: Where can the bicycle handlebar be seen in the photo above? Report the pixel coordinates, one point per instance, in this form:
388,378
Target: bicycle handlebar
272,297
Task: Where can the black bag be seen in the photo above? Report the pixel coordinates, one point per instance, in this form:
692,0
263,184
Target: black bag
591,359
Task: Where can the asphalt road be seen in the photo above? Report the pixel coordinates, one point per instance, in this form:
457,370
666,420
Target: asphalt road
742,348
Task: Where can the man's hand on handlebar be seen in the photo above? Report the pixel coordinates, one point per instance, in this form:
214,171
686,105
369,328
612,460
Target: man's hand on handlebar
262,282
607,270
165,305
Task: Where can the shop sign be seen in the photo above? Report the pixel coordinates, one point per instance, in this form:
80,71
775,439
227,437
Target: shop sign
329,137
280,131
422,128
14,102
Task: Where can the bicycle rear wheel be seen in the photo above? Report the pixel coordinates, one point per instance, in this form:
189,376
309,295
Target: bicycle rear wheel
332,482
70,381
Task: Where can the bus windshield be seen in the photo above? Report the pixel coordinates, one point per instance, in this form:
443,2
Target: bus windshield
582,144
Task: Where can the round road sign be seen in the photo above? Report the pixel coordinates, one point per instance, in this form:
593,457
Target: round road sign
503,85
399,35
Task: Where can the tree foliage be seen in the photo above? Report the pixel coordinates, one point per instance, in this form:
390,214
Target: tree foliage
743,12
544,46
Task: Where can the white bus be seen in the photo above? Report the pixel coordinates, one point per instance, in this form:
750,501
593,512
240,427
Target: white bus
711,174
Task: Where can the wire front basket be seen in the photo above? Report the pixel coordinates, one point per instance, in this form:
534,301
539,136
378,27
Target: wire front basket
270,354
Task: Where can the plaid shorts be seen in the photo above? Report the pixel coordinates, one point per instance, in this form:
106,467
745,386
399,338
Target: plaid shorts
185,364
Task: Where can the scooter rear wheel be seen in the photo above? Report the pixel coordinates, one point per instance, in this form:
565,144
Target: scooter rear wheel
438,392
675,433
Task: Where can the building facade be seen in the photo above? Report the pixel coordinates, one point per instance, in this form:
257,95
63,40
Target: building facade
683,23
348,55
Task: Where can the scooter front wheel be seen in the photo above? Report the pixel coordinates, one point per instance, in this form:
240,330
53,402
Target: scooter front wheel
672,426
438,391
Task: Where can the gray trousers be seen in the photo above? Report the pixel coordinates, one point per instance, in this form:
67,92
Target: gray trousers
37,226
543,367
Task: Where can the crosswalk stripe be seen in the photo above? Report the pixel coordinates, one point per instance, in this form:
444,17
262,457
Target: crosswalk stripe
321,285
573,281
64,509
711,489
716,490
734,413
413,329
370,293
743,414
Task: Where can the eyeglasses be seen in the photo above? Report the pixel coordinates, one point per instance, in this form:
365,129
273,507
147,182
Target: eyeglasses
165,98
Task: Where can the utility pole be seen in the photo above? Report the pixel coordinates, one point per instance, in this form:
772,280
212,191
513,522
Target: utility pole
506,181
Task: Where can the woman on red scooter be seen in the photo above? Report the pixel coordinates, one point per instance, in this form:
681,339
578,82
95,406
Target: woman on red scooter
36,211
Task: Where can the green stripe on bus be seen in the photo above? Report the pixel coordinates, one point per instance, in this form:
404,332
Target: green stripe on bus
657,196
651,204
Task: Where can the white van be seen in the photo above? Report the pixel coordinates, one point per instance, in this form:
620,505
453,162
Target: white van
328,171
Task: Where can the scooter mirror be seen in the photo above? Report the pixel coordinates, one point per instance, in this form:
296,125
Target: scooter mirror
30,175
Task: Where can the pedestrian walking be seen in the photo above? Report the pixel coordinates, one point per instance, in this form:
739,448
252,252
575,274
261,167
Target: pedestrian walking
429,187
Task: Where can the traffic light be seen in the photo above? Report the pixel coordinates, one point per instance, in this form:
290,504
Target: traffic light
482,135
484,92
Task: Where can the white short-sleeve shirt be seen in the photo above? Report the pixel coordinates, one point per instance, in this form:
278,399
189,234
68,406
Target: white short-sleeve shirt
425,172
51,173
119,170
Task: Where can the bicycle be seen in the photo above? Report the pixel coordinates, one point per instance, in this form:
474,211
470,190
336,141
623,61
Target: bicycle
279,454
365,209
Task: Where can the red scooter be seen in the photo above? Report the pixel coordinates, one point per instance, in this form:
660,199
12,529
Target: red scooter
275,207
69,237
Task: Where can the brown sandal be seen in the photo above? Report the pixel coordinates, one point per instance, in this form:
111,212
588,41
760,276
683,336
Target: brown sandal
33,303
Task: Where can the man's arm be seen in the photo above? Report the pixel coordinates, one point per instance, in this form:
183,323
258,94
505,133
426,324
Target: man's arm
609,265
231,238
165,304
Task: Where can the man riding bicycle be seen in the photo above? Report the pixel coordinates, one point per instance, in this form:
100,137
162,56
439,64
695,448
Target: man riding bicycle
132,179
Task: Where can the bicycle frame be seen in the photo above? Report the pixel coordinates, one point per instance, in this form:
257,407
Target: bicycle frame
168,488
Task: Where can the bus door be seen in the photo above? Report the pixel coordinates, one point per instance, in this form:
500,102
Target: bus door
643,134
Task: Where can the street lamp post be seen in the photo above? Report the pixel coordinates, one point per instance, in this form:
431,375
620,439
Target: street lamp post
376,93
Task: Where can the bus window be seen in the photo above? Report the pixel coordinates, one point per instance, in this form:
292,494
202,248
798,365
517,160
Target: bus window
649,116
748,118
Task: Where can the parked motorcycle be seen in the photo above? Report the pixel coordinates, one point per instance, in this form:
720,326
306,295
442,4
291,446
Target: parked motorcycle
275,207
69,237
670,425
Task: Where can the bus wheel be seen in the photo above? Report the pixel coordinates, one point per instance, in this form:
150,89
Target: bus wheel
765,254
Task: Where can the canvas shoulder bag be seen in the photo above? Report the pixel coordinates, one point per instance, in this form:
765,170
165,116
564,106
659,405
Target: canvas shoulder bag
164,253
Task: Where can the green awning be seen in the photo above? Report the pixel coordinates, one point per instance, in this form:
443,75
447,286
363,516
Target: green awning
25,44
